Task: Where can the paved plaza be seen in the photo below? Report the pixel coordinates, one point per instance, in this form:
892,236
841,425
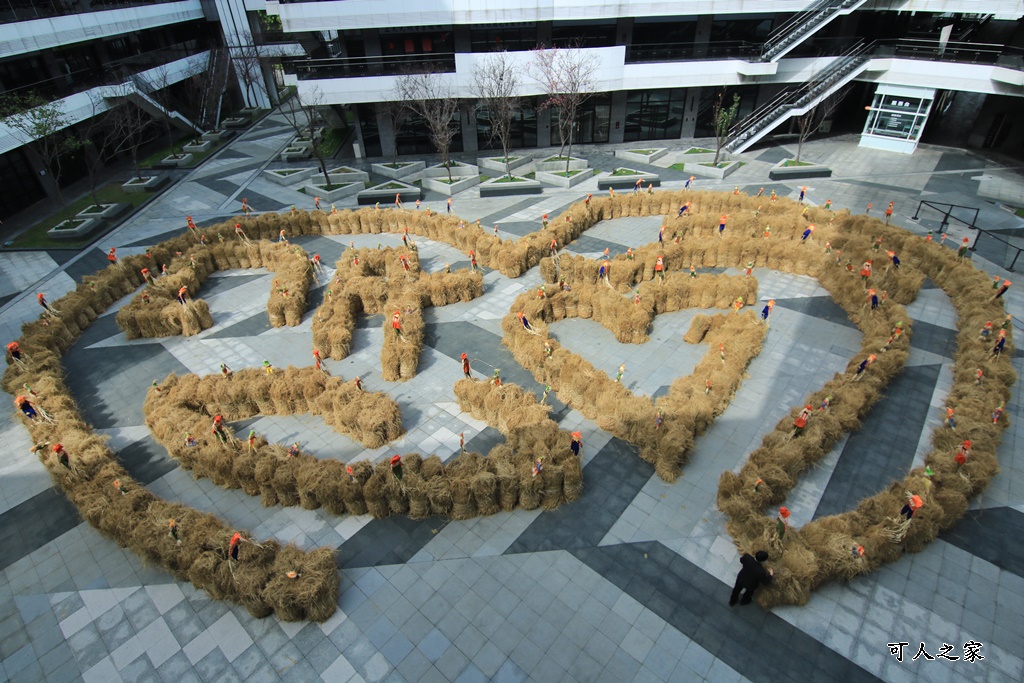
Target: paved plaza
631,582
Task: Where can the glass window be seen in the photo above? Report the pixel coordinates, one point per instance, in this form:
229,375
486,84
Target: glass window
593,121
20,183
654,114
897,116
583,33
413,41
524,128
494,37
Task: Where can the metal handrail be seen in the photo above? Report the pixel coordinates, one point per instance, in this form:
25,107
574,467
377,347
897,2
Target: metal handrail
30,10
802,18
691,51
385,65
774,106
947,215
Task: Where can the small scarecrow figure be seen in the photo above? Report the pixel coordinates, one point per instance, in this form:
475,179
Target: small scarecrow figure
963,451
865,272
245,206
190,441
526,323
172,531
62,455
894,260
240,234
807,233
268,368
801,421
183,295
218,428
659,268
962,249
252,440
496,379
622,371
576,444
465,367
913,504
998,413
396,466
658,418
120,487
233,545
396,323
782,522
538,467
767,310
14,351
225,370
894,334
864,365
738,304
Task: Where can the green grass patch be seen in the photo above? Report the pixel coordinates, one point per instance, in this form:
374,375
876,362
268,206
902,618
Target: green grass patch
532,175
699,150
342,169
645,152
720,164
558,158
1019,212
512,179
197,157
286,171
568,174
794,162
36,237
398,164
625,171
484,178
392,186
678,167
332,186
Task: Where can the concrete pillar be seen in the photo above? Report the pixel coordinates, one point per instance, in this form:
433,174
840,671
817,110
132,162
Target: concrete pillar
689,128
618,117
544,33
386,131
358,146
702,35
467,117
371,42
624,31
544,133
462,41
41,174
234,25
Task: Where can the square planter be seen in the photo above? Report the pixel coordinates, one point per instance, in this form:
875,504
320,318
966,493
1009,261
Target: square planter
458,184
575,164
638,155
289,176
385,193
344,174
627,182
179,160
496,188
198,146
337,194
217,135
296,153
107,212
497,165
74,229
557,178
143,184
458,169
781,171
698,155
399,170
236,122
720,172
249,111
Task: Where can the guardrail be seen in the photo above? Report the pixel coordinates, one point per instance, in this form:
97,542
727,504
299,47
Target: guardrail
987,242
26,10
347,67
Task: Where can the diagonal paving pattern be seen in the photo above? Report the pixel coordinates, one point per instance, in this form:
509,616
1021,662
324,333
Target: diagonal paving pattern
628,583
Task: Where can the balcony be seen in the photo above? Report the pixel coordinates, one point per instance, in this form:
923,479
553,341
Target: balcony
354,67
685,52
85,79
27,10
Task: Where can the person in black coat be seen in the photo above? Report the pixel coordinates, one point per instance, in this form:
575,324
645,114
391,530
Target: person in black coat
752,575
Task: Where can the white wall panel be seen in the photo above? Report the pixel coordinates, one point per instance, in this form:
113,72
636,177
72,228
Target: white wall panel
613,75
38,34
79,106
354,14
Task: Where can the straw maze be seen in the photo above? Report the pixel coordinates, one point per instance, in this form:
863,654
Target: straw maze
298,585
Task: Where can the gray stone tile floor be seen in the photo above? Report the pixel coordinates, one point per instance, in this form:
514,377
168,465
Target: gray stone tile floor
629,583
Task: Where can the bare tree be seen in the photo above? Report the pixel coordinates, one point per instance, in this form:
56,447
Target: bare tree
127,126
156,86
302,112
395,112
722,117
810,123
431,97
567,76
497,84
43,126
248,59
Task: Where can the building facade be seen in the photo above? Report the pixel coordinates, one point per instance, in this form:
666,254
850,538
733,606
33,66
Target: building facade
945,71
953,67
